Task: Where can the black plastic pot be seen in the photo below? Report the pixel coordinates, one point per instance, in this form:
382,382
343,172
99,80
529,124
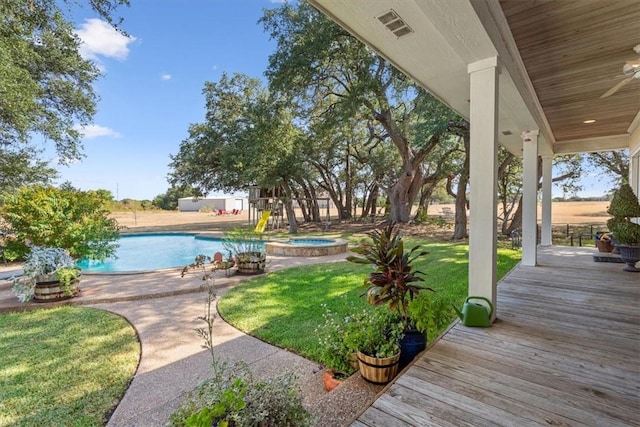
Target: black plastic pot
412,343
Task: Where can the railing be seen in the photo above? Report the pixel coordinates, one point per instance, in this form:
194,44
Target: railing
567,234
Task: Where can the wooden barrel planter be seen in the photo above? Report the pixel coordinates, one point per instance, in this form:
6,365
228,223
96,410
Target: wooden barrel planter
378,370
251,262
52,290
352,359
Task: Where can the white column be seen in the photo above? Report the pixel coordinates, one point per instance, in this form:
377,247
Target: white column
634,173
483,178
547,162
529,197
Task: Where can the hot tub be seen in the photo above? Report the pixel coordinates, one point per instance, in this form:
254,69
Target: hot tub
306,247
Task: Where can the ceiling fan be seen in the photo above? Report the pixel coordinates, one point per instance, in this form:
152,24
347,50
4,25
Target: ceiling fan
631,70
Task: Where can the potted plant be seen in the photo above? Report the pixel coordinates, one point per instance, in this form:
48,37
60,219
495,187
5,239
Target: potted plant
393,281
49,274
379,354
603,242
626,234
246,248
340,338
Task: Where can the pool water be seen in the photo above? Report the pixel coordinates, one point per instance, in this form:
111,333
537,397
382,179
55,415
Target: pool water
311,242
142,252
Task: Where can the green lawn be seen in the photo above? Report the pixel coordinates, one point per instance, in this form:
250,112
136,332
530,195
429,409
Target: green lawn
65,366
285,307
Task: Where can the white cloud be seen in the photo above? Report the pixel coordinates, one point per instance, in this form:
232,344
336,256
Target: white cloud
100,39
96,131
215,67
165,76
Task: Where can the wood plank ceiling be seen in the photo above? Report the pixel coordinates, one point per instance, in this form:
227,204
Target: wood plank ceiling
574,52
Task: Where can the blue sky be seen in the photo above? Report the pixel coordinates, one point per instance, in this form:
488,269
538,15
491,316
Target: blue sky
151,90
152,85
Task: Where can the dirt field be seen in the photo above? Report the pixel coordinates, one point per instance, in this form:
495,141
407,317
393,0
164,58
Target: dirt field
563,213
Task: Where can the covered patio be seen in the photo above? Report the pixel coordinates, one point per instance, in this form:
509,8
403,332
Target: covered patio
541,78
563,351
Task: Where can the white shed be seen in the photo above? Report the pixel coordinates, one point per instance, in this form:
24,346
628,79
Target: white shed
227,204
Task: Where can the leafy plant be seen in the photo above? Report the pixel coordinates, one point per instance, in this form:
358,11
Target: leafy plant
235,397
45,264
339,337
380,334
393,281
231,401
624,206
64,218
430,313
244,243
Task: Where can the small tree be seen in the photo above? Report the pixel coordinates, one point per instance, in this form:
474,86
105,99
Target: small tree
71,219
624,207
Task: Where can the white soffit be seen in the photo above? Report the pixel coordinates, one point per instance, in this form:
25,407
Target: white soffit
447,36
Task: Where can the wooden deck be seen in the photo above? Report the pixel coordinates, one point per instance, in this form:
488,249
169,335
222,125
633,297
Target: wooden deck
564,351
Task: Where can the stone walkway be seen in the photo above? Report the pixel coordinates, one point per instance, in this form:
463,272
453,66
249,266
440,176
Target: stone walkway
163,308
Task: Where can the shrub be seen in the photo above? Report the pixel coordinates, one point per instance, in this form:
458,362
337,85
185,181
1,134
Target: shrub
624,207
233,396
65,218
339,337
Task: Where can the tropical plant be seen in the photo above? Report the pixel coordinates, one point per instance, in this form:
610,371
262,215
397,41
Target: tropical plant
45,264
393,281
66,218
624,206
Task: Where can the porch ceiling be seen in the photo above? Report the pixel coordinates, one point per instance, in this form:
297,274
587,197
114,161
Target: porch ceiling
557,57
573,52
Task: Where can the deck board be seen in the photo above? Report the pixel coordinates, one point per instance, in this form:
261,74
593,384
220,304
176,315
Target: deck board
564,351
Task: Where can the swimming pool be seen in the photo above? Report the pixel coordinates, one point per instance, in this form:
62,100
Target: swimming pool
143,252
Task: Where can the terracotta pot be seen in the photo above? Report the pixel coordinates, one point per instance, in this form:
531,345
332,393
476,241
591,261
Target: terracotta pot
604,245
330,380
378,370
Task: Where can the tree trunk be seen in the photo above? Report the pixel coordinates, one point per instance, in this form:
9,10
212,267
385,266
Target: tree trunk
405,190
288,206
516,222
460,228
348,185
370,201
423,203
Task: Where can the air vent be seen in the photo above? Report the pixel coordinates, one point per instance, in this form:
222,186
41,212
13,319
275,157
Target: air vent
395,24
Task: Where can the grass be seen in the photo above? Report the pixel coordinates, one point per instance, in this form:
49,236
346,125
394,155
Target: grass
285,308
65,366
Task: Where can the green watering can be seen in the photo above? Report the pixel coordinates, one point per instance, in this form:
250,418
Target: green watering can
474,314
